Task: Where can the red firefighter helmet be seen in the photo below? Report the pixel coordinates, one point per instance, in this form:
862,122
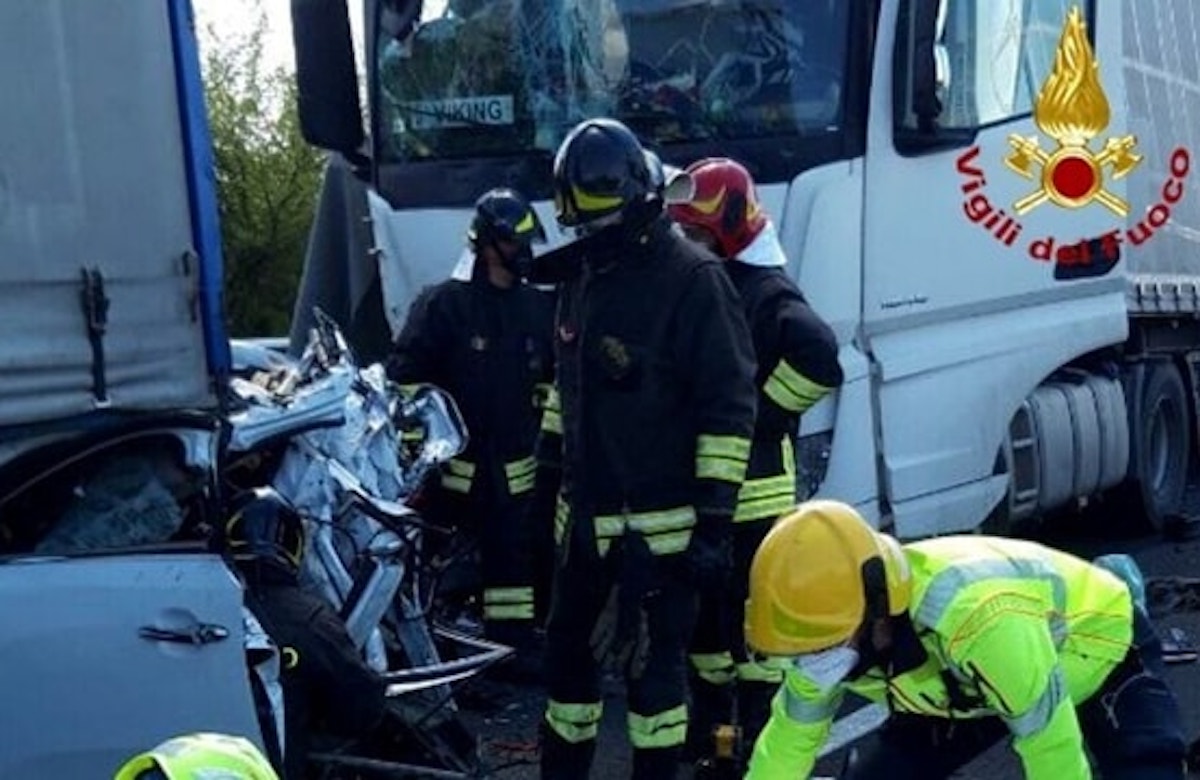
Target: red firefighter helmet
724,204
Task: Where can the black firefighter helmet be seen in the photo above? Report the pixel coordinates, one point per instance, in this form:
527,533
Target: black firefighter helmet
503,216
602,175
264,527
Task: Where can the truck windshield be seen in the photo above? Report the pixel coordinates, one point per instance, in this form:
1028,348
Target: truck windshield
492,78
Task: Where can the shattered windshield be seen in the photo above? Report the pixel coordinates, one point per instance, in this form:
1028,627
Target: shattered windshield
480,78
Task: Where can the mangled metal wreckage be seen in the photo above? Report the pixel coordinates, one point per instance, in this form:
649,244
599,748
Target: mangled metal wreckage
125,427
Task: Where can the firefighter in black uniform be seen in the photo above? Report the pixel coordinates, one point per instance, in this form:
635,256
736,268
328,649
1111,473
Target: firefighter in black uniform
655,373
328,688
485,337
797,357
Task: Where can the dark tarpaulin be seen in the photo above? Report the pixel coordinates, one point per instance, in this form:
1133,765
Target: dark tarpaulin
341,274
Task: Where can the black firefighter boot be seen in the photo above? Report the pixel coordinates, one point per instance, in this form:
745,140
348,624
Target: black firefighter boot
655,764
712,706
754,708
563,760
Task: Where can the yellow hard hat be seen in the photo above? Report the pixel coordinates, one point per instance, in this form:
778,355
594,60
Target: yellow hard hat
208,756
818,576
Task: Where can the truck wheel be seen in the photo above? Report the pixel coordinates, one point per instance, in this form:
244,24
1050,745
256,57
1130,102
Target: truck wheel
1160,444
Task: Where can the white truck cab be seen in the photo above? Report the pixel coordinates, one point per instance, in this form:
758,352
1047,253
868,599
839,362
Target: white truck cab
988,201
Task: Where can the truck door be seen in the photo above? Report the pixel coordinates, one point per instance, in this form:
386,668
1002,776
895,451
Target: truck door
118,653
975,287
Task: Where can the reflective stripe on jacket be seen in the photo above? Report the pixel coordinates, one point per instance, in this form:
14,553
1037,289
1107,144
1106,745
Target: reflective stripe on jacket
797,365
1008,628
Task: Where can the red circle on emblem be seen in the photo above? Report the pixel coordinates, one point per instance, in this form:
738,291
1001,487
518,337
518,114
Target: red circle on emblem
1073,177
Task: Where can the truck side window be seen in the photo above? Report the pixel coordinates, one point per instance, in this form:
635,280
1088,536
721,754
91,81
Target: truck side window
992,58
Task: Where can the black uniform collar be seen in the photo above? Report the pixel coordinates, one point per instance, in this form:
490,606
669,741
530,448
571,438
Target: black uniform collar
626,243
598,251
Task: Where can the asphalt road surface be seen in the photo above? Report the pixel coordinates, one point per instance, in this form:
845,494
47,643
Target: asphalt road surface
507,714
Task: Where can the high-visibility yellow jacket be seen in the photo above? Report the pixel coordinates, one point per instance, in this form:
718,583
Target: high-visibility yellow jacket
1002,628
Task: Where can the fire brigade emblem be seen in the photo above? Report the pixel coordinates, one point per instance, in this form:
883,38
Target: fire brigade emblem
616,360
1072,109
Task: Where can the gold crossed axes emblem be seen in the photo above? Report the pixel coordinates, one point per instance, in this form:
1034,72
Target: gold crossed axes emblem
1072,109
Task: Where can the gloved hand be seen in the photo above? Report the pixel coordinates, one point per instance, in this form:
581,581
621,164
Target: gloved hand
709,556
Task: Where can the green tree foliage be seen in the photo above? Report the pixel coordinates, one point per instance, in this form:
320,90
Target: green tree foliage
267,178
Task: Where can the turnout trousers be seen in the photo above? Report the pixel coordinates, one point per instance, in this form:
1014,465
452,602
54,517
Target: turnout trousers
657,718
499,526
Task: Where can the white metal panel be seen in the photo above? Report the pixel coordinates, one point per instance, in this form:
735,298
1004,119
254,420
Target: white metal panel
821,230
923,255
950,389
1161,71
962,325
851,474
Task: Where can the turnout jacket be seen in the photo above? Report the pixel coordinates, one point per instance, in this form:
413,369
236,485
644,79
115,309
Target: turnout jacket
1003,628
655,370
490,348
797,357
327,687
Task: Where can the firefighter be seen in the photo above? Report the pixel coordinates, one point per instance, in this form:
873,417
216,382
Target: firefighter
197,756
797,356
967,639
484,336
328,688
655,373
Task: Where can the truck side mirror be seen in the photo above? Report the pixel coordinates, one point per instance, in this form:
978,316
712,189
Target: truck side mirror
330,114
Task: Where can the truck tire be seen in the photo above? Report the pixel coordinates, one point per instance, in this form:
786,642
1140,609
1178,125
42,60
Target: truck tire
1160,444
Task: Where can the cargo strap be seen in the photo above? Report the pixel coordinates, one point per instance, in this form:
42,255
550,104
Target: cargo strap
95,314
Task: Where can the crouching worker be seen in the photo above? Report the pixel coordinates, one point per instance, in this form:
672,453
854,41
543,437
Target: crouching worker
967,639
327,686
199,756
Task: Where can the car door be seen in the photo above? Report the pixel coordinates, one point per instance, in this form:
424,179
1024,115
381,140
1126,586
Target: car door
103,657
